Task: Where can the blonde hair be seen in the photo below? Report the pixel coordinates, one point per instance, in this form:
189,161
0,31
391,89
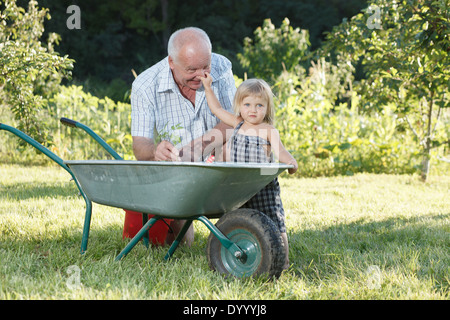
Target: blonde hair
255,87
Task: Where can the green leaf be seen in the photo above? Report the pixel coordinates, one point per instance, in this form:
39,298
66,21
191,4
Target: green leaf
345,146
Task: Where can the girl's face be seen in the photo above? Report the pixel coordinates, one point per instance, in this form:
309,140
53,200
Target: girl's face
253,109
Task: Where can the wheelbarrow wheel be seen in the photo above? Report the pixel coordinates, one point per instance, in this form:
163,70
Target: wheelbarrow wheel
257,236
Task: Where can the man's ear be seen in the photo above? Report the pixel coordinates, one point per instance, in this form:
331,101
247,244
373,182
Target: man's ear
171,63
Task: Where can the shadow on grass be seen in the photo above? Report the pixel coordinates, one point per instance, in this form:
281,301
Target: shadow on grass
417,245
24,190
104,243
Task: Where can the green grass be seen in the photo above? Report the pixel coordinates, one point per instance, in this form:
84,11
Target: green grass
339,229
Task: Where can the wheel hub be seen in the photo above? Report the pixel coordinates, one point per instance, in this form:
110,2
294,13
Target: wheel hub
242,265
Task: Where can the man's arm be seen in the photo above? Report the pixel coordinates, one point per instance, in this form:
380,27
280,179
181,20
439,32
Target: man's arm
145,150
202,146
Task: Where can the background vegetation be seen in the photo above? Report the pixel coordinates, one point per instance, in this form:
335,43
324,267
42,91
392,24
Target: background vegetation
361,86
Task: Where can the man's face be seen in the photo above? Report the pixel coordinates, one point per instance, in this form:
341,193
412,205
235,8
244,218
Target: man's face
192,62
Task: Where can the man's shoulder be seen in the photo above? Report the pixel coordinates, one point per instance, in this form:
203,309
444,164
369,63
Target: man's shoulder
152,75
220,63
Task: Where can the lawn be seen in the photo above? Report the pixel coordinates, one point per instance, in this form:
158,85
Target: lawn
360,237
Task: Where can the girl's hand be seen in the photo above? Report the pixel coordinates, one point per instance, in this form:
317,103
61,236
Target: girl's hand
206,80
294,169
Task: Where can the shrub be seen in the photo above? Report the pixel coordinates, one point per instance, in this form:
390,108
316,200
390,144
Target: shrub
30,71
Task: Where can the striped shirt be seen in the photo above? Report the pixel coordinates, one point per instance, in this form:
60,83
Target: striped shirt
157,103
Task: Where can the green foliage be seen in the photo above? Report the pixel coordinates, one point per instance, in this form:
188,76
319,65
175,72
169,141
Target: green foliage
330,139
326,136
322,112
110,120
141,16
29,70
274,49
405,58
133,33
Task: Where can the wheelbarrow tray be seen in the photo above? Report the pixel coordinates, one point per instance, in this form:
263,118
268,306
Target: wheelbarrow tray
173,189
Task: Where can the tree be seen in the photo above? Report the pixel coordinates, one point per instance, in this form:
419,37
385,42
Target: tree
149,16
403,47
29,70
274,50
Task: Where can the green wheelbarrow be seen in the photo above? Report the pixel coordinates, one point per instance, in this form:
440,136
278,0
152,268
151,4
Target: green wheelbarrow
244,242
59,161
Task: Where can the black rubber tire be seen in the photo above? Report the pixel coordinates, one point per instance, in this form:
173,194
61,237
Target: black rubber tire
262,237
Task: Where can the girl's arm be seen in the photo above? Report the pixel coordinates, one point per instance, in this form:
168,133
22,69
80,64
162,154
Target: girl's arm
214,104
280,151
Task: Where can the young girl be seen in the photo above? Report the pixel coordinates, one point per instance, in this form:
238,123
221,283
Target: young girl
255,139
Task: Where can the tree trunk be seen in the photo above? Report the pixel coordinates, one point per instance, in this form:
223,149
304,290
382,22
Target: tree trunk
425,165
427,146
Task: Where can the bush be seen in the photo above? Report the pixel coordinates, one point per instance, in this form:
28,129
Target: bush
321,118
274,50
30,71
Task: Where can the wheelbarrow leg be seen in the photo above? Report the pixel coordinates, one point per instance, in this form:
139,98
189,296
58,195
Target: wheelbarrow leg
87,216
227,243
87,226
145,238
179,238
137,238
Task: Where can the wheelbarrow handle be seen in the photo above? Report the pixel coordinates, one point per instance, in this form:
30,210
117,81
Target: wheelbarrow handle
35,144
68,122
76,124
60,162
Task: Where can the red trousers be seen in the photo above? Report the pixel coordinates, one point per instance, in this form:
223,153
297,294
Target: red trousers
133,223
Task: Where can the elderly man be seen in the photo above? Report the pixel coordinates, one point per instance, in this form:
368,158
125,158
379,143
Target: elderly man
169,98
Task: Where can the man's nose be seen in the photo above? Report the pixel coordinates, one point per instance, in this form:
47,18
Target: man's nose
201,72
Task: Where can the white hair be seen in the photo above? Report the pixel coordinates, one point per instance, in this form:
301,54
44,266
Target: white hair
182,36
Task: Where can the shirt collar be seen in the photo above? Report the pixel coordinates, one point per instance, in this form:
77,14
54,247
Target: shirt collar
167,82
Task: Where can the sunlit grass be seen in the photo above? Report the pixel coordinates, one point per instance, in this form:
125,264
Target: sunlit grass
339,230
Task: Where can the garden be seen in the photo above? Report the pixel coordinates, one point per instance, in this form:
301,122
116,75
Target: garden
365,112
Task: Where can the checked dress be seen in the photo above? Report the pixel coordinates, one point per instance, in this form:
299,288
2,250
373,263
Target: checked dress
245,148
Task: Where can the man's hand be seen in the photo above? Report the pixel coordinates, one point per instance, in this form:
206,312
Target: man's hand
145,150
165,151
